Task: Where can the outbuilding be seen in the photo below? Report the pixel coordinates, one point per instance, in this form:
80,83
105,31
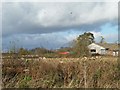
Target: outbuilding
97,49
112,49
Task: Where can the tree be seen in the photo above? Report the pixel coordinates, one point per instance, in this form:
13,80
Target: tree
102,39
23,51
82,42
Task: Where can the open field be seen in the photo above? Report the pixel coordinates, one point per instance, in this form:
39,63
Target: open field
92,72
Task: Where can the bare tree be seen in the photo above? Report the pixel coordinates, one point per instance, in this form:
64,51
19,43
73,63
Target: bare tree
102,39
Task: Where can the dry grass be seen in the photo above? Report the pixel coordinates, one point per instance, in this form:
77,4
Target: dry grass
101,72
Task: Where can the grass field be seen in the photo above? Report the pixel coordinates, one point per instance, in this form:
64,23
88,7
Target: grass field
92,72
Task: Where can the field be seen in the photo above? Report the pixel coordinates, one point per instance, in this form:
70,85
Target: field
86,72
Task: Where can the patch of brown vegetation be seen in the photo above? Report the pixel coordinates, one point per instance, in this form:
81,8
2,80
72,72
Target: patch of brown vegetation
62,72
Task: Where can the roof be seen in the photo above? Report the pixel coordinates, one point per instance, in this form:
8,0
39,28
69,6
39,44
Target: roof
110,46
94,46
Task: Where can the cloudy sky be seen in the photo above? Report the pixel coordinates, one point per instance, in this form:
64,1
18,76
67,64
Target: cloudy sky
53,25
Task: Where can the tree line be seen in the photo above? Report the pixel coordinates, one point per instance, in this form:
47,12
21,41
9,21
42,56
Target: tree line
79,48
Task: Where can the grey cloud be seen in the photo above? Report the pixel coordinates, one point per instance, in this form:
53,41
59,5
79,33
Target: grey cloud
33,18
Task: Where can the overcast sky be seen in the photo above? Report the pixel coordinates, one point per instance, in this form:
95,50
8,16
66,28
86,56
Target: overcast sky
53,25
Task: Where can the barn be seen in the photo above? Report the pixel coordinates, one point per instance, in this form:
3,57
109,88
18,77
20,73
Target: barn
104,49
111,48
97,49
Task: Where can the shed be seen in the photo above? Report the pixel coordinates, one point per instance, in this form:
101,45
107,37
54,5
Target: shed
111,48
96,49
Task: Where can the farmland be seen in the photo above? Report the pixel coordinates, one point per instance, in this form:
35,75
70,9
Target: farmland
83,72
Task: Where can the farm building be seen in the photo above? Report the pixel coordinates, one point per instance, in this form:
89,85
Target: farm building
97,49
104,49
111,48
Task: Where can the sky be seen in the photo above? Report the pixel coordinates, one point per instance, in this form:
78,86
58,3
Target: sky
53,25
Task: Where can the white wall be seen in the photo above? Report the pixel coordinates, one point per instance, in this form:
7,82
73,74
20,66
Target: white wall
99,49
